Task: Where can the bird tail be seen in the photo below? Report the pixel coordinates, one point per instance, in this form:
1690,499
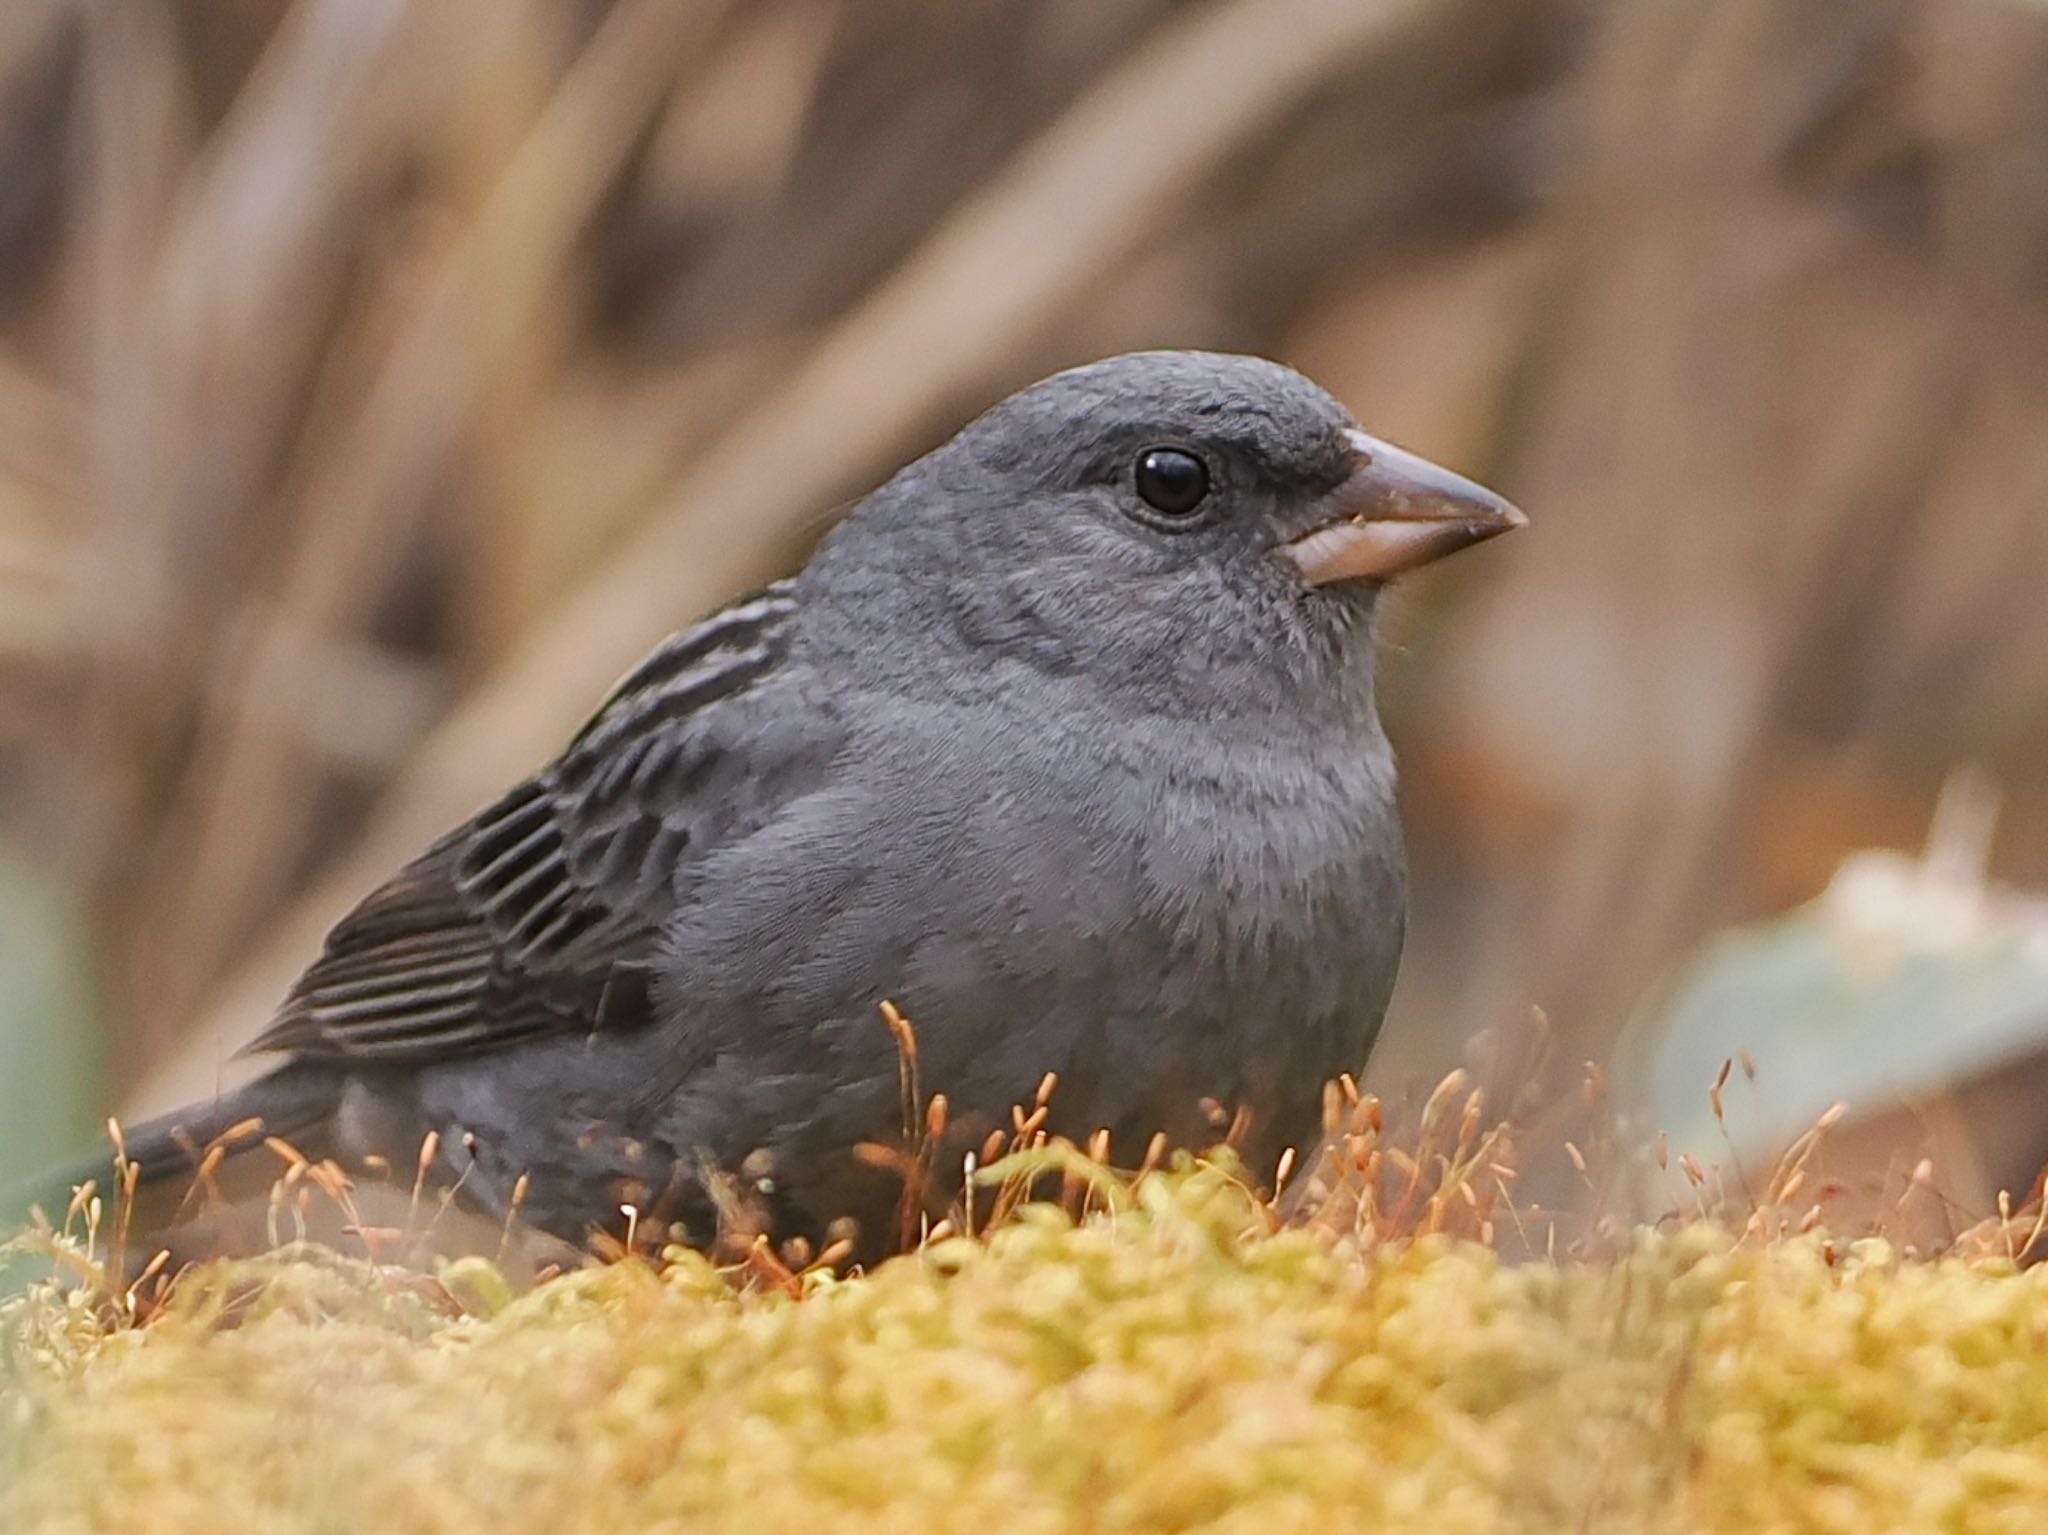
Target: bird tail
295,1103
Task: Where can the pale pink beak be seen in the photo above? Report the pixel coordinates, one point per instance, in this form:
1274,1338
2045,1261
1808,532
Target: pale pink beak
1397,511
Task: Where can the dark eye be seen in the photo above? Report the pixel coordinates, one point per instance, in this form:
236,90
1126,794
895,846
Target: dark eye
1172,481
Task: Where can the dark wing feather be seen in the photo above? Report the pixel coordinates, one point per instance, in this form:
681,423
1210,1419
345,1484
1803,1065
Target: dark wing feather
543,912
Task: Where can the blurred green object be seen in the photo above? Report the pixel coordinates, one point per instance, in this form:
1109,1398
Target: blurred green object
1907,979
49,1032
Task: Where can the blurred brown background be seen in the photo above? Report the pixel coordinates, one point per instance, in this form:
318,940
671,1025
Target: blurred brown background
379,377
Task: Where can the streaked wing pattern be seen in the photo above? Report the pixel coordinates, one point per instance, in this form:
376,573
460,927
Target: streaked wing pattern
541,913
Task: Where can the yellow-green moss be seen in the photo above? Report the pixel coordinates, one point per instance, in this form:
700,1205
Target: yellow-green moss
1170,1369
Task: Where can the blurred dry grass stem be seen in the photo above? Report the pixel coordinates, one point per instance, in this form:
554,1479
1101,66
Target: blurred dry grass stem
379,378
959,307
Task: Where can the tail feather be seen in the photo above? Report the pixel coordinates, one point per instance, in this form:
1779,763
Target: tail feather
174,1220
292,1103
295,1103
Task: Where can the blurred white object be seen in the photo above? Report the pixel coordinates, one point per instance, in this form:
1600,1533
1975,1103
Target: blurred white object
1882,907
1906,981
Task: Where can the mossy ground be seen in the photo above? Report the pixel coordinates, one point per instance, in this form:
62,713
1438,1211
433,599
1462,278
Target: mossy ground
1176,1365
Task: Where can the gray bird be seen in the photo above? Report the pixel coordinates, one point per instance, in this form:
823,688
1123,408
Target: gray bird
1064,742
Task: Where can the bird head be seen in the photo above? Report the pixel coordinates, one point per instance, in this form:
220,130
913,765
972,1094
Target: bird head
1166,522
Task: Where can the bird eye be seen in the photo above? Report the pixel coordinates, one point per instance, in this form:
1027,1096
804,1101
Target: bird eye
1172,481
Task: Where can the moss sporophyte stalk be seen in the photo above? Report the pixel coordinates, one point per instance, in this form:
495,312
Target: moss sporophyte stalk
1172,1361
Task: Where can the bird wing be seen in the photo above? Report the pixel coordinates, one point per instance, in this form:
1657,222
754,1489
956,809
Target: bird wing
544,912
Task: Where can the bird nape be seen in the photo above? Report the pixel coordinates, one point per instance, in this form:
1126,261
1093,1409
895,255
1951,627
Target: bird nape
1064,743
